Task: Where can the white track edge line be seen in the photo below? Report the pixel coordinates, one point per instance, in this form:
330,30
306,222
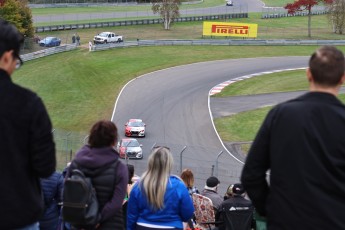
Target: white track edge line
211,116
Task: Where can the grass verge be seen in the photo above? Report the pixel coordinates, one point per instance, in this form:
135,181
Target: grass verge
242,127
80,87
278,28
269,83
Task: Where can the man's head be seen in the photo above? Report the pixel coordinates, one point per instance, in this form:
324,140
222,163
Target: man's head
10,43
212,183
238,189
326,67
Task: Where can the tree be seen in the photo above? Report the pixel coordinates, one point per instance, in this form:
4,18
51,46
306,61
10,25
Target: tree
168,9
19,14
336,15
305,5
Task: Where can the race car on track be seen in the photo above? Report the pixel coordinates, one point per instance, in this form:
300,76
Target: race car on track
130,148
135,127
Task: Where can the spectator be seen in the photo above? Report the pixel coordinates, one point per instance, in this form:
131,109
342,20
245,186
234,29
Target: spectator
78,40
159,200
26,141
236,211
90,45
110,183
211,192
129,189
73,38
229,192
188,179
301,142
52,194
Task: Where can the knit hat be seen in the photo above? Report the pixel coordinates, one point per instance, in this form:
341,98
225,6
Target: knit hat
238,189
212,182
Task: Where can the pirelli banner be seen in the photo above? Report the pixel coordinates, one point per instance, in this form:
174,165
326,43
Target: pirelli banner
230,29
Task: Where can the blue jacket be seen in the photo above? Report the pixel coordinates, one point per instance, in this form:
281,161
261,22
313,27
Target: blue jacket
52,193
178,206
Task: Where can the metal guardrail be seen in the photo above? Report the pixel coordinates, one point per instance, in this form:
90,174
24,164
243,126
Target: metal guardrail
137,22
221,42
47,52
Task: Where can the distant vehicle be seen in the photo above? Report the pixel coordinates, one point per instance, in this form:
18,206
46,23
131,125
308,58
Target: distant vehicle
130,148
135,127
107,37
229,3
50,41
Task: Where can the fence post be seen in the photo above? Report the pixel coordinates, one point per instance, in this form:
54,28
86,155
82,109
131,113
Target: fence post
87,136
184,148
153,146
220,153
70,156
67,146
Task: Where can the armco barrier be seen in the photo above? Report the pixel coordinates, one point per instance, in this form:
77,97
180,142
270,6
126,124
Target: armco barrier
39,29
47,52
219,42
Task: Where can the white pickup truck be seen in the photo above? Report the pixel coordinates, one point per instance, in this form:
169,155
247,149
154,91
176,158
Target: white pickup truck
106,37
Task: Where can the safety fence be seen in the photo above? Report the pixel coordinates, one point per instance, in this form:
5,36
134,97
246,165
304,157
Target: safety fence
279,12
223,42
219,42
47,52
204,161
39,29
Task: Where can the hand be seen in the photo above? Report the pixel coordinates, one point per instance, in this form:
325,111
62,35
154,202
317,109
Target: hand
97,226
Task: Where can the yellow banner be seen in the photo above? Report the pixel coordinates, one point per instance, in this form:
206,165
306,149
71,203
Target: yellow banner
230,29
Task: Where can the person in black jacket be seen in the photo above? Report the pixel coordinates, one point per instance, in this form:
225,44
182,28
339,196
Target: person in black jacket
302,144
27,149
236,212
52,194
100,161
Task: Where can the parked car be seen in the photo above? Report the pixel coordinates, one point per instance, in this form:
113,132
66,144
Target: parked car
135,127
229,3
50,41
106,37
130,148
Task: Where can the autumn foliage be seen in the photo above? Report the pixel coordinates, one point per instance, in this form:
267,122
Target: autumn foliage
305,5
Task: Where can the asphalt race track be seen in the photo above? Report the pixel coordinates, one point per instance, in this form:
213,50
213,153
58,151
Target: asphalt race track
239,6
174,105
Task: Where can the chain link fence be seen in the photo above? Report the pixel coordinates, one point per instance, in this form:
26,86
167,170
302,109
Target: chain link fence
204,161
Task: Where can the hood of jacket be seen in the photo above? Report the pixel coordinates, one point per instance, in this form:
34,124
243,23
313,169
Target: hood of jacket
96,157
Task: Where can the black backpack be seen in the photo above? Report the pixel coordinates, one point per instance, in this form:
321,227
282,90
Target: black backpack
80,205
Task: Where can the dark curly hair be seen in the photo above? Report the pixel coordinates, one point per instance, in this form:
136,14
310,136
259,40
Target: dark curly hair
102,134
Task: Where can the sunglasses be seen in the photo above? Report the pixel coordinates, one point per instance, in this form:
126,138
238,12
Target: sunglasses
19,61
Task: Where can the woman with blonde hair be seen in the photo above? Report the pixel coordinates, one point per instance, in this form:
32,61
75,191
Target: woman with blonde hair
160,200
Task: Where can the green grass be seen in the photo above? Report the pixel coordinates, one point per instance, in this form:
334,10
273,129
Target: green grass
242,126
269,83
118,8
280,28
80,87
277,3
